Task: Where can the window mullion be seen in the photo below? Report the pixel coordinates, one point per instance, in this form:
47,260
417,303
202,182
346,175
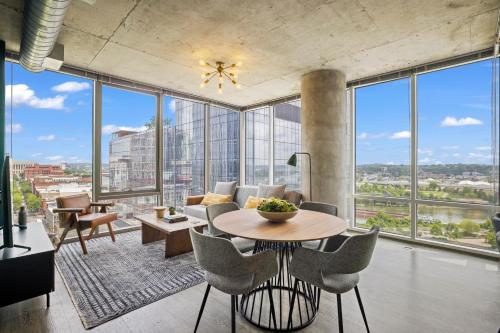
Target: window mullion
414,156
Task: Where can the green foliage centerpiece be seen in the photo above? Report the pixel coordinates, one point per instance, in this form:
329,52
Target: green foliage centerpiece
277,210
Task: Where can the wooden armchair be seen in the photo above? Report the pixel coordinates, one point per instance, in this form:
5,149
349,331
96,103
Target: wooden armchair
76,212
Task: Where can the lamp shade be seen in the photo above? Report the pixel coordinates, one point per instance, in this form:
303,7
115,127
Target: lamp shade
292,161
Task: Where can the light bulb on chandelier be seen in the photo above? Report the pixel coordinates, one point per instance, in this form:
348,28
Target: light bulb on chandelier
222,72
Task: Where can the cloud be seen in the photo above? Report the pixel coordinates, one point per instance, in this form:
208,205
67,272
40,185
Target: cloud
450,147
484,148
467,121
23,95
36,154
71,87
425,151
108,129
479,156
171,105
365,135
16,128
455,155
50,137
55,158
401,135
482,106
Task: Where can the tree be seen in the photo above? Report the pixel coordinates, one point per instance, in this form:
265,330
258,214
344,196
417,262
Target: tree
433,185
491,238
436,230
469,228
33,203
152,122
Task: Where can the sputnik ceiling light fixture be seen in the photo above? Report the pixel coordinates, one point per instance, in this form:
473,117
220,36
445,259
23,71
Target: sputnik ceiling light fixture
221,72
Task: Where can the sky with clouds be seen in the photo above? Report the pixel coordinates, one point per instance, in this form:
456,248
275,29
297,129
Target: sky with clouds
52,117
454,120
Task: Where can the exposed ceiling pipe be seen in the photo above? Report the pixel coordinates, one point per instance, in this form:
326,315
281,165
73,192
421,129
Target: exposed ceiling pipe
42,22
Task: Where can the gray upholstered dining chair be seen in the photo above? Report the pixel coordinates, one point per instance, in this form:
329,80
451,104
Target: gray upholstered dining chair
232,272
335,272
215,210
322,208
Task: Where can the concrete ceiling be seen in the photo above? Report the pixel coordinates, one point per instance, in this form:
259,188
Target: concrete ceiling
161,41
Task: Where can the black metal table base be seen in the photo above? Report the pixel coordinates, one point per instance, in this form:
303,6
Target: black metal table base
255,306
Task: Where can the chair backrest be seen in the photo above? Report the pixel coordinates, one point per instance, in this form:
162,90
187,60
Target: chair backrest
319,207
215,210
73,201
355,253
216,255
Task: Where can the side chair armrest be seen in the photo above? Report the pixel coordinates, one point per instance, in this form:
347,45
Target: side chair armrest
307,264
262,263
102,204
69,210
194,199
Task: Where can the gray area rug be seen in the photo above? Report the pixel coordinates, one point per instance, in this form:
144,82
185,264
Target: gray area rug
116,278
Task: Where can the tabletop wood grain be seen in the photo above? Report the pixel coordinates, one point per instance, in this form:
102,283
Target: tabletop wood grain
306,225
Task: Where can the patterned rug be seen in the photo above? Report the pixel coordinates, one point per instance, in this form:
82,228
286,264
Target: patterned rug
116,278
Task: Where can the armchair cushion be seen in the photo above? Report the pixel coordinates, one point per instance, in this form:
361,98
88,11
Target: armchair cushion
75,201
95,219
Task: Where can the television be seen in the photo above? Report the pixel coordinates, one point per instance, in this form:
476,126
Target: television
6,198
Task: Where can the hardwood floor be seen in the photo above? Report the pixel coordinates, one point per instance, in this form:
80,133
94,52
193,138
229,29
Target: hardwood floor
405,289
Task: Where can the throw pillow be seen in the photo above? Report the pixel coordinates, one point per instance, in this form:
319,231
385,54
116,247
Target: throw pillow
271,191
226,188
253,202
213,198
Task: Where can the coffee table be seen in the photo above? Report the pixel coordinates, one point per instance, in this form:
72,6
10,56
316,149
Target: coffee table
176,235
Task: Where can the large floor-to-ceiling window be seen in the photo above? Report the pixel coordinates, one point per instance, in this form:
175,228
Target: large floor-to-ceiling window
257,145
286,142
183,150
128,151
49,137
383,156
424,165
455,183
224,145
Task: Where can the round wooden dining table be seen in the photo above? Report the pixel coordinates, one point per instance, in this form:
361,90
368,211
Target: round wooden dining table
284,238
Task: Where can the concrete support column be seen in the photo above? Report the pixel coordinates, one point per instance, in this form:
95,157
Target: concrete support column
324,122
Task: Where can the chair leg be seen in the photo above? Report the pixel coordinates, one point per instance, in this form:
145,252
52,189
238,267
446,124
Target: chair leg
358,296
111,232
82,240
91,233
233,314
63,236
294,294
271,302
339,309
202,307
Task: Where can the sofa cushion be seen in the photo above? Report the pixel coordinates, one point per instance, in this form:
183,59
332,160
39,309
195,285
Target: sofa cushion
253,202
226,188
198,211
242,194
294,197
271,191
212,198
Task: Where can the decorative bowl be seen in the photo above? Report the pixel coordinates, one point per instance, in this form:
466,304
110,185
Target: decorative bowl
277,216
